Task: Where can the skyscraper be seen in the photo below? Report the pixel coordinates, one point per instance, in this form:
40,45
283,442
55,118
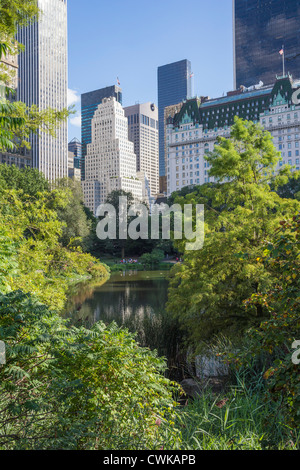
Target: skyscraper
174,85
75,147
261,28
89,104
110,162
43,81
143,132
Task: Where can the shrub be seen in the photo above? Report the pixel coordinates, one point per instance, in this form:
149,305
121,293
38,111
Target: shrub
75,388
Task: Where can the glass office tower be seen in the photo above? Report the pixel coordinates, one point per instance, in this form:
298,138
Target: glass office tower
76,148
261,28
174,85
89,104
43,81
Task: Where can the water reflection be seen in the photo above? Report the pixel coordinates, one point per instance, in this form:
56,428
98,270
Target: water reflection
134,300
128,296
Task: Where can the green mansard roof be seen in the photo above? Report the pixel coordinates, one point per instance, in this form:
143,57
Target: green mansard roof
247,104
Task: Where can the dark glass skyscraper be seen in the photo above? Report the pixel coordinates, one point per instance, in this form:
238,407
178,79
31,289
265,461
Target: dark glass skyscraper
89,103
174,85
261,28
76,148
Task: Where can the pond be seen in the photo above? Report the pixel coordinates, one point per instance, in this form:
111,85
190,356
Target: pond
133,299
124,296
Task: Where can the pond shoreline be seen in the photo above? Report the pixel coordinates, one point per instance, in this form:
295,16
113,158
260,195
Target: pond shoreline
136,301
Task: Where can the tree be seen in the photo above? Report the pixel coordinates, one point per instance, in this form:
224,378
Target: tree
275,336
76,226
31,256
241,213
18,122
13,13
29,180
150,260
123,246
292,188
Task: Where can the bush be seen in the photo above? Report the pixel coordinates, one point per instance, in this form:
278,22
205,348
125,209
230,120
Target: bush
77,388
153,259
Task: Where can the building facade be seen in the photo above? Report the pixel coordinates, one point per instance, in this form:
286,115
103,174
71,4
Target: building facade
73,171
260,29
174,84
75,147
9,67
110,162
143,132
89,104
193,132
43,81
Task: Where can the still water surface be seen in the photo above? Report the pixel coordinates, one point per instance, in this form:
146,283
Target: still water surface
125,298
134,300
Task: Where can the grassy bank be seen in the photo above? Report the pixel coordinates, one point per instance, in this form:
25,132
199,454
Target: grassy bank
238,419
116,266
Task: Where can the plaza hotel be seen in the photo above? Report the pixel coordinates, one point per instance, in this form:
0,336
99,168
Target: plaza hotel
193,131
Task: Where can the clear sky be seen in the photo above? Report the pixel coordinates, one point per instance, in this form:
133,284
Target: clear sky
129,39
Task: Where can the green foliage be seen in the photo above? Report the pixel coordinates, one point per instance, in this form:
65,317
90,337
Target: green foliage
74,388
275,336
13,13
9,125
207,291
29,180
292,188
31,255
76,225
153,259
19,121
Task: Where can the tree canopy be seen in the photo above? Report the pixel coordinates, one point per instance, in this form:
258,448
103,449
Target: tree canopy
241,213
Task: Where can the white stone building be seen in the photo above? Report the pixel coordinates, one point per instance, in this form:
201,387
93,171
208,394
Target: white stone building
110,163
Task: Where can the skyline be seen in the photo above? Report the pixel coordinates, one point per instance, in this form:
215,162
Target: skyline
138,38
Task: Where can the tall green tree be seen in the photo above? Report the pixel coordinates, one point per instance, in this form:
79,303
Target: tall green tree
275,341
241,213
77,227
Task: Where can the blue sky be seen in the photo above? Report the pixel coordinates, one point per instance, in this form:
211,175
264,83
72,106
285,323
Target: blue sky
129,39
